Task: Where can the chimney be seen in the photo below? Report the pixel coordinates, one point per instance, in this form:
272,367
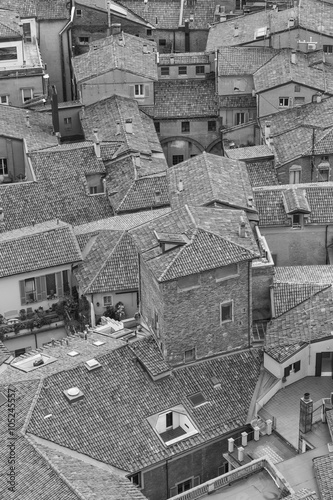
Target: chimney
137,165
242,229
129,126
108,6
2,215
115,28
236,31
55,111
267,132
117,127
157,196
293,57
145,49
27,119
305,417
180,186
58,136
318,98
97,145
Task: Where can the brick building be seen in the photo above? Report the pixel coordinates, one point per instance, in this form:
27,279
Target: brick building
195,281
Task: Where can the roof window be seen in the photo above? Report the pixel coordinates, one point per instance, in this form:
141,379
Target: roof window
92,364
173,425
73,353
98,343
73,394
197,399
260,32
33,362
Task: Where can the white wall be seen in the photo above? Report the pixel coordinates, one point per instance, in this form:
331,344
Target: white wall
20,342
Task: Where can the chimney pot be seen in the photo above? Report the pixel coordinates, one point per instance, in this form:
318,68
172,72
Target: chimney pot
242,229
236,31
180,186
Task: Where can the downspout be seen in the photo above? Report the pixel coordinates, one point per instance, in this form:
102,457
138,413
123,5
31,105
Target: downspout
312,153
250,301
326,245
65,28
180,22
167,478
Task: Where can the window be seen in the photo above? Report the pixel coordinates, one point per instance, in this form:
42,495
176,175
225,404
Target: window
200,70
162,42
260,32
93,190
169,419
107,300
239,118
47,287
284,102
4,99
84,40
137,479
79,12
177,159
8,53
149,32
157,127
165,71
27,94
295,174
185,486
226,312
226,272
3,166
212,126
297,221
189,355
298,101
139,90
323,174
297,88
68,122
185,127
294,366
328,49
188,282
182,70
27,32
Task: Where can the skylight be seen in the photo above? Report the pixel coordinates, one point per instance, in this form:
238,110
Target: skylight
73,394
98,343
73,353
173,425
33,362
260,32
92,364
197,399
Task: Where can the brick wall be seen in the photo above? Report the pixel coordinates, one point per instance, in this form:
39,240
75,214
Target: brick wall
192,319
203,462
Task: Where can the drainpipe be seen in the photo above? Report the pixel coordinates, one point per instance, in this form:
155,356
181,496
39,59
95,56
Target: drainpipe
250,302
167,478
181,12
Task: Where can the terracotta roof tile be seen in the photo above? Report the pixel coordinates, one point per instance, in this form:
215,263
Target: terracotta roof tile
184,58
250,152
36,247
209,178
185,99
323,467
111,53
237,101
289,295
56,9
262,173
243,60
111,264
295,201
9,25
119,397
24,9
304,274
148,353
4,353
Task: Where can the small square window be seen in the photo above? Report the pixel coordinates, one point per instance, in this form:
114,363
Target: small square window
3,166
200,70
79,12
149,32
185,127
157,127
212,126
328,49
137,479
324,174
68,120
177,159
93,190
27,94
182,70
226,312
239,118
84,40
295,174
162,42
297,220
107,300
139,90
4,99
297,88
165,71
189,355
284,102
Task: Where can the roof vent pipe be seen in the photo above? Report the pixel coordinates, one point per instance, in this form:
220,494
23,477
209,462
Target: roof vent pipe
129,126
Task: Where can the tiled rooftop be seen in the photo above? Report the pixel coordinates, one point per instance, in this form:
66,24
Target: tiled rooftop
4,353
269,203
261,173
289,295
243,60
24,9
111,264
312,13
122,52
85,349
148,353
323,467
38,135
185,98
209,178
214,241
120,222
9,27
103,116
307,321
304,274
184,58
122,391
250,152
36,247
60,179
279,70
237,101
115,8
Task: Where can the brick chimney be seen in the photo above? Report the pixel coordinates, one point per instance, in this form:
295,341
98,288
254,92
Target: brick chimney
242,229
305,416
55,110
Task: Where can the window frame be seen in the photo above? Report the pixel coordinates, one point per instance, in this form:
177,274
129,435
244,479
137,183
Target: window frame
185,127
31,94
105,303
295,172
230,304
169,420
182,70
39,291
297,221
165,71
162,42
78,13
297,87
149,32
328,49
283,101
200,69
84,40
240,114
7,99
3,166
177,162
188,359
139,90
157,127
211,126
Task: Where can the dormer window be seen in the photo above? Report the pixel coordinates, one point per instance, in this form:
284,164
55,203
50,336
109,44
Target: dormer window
324,169
95,183
297,221
169,241
260,33
295,174
173,425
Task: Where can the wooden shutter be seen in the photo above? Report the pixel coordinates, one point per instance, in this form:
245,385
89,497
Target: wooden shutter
60,288
196,481
22,292
147,90
318,364
131,90
38,289
286,371
297,366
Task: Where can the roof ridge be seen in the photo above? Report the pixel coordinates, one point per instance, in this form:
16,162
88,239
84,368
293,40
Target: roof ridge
55,468
325,287
125,195
32,406
224,238
105,260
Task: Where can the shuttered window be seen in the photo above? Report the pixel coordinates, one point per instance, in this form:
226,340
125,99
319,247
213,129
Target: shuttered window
48,287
